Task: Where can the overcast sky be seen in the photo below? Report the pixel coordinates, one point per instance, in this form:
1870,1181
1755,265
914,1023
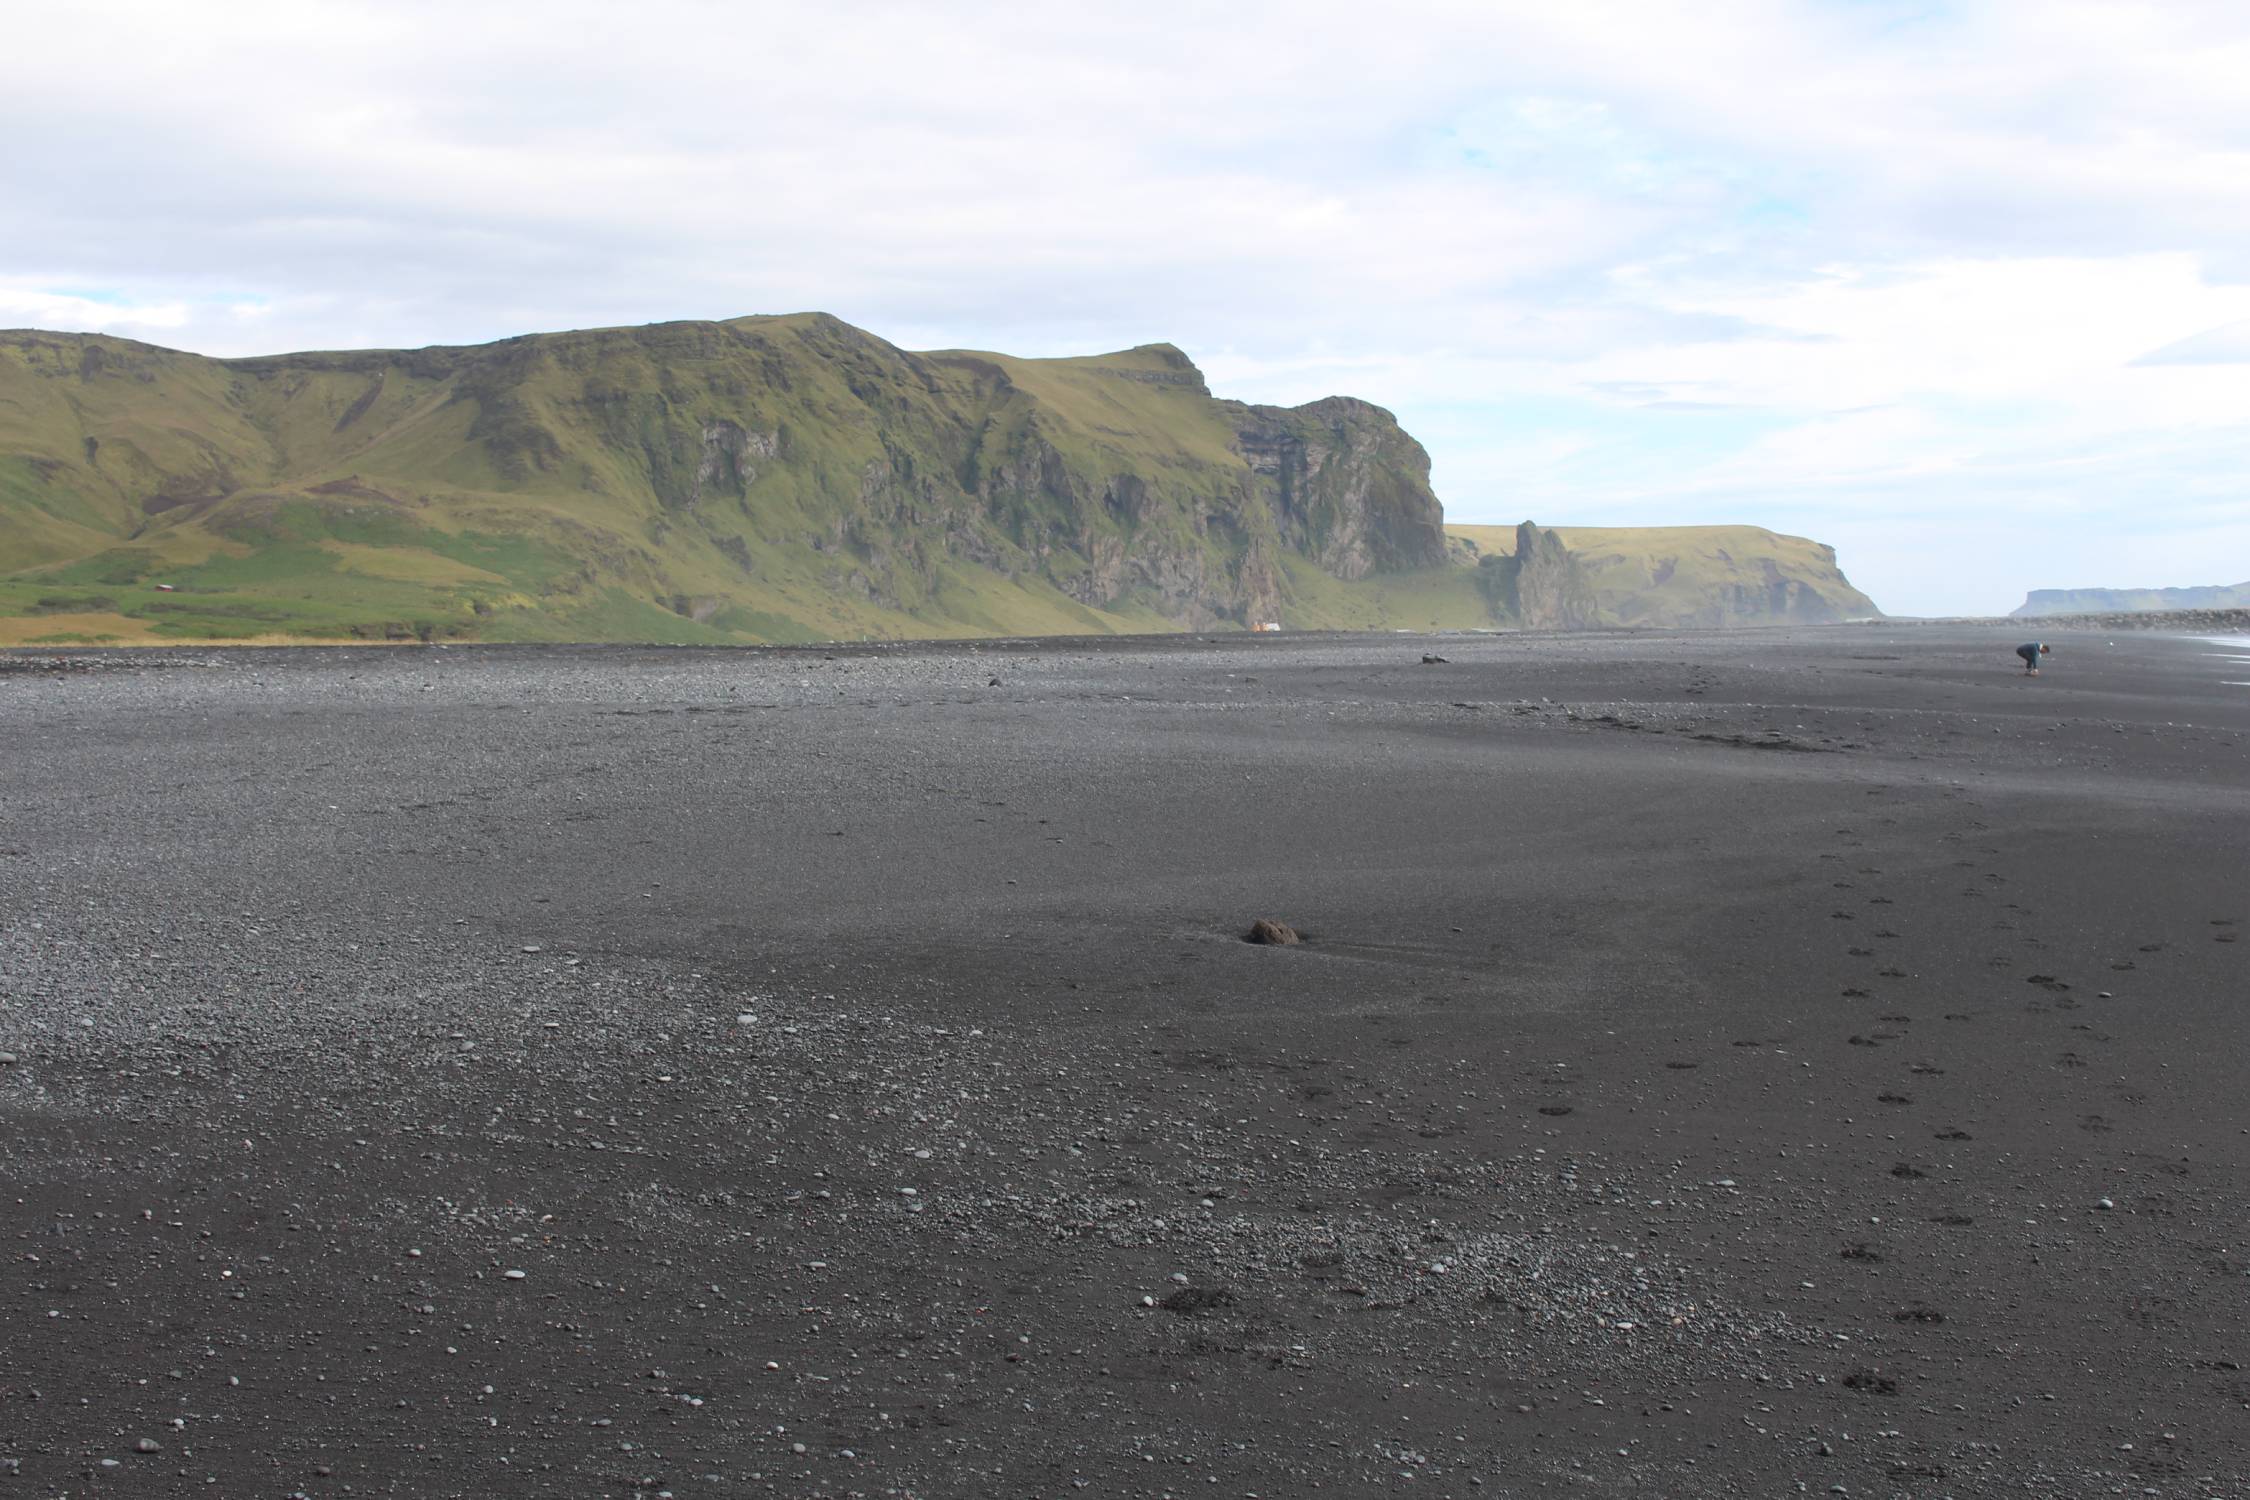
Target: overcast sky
1963,289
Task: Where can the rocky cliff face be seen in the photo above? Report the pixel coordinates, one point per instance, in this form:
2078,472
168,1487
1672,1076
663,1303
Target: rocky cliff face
1347,486
1539,585
771,479
792,476
1677,576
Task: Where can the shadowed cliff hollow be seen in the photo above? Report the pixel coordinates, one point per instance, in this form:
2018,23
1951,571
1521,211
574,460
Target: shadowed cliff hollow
765,479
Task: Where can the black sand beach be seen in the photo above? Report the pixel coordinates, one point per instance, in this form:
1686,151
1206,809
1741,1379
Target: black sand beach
1719,1065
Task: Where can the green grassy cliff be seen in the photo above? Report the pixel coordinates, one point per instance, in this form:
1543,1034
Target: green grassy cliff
2132,601
765,479
1693,575
768,479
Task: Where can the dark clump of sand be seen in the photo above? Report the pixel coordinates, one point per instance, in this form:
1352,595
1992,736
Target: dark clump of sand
621,1072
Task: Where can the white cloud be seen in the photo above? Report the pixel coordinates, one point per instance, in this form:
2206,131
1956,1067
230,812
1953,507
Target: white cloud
2227,345
1613,258
1995,329
29,305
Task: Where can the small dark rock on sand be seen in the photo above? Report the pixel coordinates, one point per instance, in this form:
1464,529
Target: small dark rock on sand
1265,930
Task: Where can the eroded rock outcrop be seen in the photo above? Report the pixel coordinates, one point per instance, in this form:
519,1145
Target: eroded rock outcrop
1347,486
1692,576
1541,585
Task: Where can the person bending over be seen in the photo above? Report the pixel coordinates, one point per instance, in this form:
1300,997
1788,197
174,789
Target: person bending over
2031,651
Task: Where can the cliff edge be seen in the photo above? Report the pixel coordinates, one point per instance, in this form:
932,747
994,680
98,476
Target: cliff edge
762,479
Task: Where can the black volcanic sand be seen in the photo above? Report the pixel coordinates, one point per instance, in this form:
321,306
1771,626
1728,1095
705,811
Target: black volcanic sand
1717,1065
